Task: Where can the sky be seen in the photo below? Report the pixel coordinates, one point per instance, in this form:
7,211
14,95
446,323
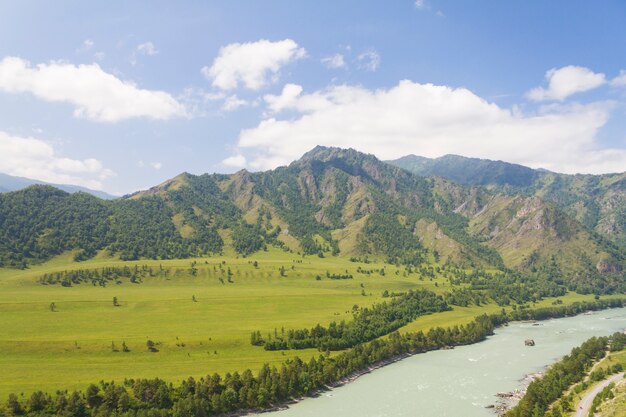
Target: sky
120,96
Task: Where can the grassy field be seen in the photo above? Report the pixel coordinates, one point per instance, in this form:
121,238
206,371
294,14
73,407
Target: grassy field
72,347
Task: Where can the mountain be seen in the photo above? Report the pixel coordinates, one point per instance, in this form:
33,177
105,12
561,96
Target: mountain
470,171
597,201
330,202
11,183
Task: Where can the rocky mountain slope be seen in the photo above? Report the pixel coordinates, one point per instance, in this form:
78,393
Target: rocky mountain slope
597,201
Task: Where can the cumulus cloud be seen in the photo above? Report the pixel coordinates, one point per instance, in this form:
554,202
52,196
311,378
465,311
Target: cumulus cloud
420,4
430,120
285,100
156,165
252,64
564,82
96,94
369,60
334,61
33,158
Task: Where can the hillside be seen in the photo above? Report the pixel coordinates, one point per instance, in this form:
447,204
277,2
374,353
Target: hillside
597,201
330,202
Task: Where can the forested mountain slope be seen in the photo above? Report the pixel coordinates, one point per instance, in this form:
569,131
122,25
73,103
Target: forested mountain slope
330,202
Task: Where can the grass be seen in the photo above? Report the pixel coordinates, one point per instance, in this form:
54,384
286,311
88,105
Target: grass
617,406
70,348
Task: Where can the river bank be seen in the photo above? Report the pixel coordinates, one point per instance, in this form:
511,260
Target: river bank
448,382
508,400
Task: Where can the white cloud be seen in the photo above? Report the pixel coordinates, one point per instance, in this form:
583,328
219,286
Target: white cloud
420,4
33,158
620,80
431,120
96,94
334,61
252,64
369,60
147,48
285,100
233,103
156,165
564,82
235,161
99,56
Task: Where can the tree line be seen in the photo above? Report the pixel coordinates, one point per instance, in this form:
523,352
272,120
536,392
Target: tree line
367,324
103,276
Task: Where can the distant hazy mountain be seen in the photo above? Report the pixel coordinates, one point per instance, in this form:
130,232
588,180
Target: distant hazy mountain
470,171
597,201
11,183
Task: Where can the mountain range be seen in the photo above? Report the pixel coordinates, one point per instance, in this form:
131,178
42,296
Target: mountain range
461,211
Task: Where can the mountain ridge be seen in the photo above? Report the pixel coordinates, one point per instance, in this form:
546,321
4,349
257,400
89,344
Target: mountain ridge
331,201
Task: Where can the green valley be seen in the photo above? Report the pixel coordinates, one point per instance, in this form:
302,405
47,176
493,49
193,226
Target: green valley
338,254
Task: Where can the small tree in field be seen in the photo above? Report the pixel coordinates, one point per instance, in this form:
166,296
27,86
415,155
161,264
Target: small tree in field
53,307
151,346
115,302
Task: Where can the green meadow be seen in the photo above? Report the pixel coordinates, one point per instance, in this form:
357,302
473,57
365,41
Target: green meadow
81,341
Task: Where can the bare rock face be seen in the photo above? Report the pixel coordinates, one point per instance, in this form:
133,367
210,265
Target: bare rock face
531,205
604,266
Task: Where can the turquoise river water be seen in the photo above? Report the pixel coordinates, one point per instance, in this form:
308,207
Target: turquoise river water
461,381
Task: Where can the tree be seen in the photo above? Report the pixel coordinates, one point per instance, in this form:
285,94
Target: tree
13,406
53,307
38,401
124,347
115,303
193,298
151,346
92,396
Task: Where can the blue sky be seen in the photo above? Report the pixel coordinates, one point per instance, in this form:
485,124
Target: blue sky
121,95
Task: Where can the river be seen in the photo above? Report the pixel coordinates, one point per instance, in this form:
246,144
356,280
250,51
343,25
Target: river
461,381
